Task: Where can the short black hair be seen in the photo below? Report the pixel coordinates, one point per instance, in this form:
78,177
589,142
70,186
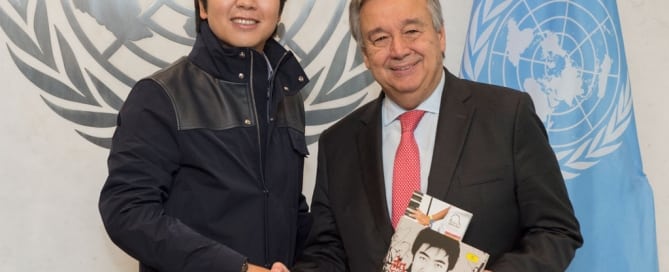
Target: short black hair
438,240
198,20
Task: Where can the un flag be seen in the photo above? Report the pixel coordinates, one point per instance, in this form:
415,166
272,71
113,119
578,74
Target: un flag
569,56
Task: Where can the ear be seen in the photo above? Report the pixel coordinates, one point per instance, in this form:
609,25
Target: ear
442,39
203,11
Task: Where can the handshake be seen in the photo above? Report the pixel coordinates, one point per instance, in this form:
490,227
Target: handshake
276,267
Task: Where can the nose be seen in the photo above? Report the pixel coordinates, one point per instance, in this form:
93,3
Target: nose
399,48
246,4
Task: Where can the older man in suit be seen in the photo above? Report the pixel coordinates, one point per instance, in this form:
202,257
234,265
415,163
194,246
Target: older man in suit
479,147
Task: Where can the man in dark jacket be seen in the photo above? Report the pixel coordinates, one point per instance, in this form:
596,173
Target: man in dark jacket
205,169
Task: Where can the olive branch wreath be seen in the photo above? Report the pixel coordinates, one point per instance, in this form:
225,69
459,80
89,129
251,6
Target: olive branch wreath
586,154
69,82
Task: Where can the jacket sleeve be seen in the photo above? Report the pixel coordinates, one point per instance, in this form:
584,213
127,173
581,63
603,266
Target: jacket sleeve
551,231
143,159
324,251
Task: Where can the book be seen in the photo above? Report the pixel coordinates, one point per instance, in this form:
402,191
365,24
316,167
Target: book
438,215
418,245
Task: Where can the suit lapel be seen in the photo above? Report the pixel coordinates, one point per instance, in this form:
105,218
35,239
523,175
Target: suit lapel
370,147
452,128
455,117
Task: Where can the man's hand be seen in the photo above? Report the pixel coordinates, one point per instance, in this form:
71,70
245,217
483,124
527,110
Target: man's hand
279,267
276,267
422,218
255,268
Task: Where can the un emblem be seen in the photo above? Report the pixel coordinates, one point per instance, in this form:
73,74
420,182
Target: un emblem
568,56
86,55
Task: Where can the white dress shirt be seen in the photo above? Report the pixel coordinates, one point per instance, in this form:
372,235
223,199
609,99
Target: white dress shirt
424,134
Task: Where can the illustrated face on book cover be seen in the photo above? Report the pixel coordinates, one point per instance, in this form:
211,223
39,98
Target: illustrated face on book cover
429,258
433,254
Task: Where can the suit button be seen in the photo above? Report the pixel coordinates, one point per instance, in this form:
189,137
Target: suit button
247,122
241,75
300,79
242,54
286,89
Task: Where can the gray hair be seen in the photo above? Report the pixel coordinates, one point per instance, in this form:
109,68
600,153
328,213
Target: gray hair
354,17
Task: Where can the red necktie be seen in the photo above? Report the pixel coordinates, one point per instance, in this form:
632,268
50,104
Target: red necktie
406,169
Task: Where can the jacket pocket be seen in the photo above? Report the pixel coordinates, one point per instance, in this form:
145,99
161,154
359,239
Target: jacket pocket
483,176
298,142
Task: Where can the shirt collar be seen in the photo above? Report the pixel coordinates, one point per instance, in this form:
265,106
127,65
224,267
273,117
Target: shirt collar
392,111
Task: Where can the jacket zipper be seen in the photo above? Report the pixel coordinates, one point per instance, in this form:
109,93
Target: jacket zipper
270,89
263,186
260,151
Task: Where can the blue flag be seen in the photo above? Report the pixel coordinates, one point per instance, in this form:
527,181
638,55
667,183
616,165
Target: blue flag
569,56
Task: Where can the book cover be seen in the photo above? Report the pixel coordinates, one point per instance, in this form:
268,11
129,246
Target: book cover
419,244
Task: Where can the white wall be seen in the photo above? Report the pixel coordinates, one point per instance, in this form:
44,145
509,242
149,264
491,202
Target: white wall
646,32
50,177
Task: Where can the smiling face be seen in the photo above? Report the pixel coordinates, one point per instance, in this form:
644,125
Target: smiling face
242,23
402,49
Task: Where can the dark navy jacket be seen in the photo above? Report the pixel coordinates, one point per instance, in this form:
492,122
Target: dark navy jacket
205,168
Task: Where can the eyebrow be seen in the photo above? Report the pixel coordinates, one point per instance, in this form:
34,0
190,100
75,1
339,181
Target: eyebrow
406,22
422,253
412,21
374,31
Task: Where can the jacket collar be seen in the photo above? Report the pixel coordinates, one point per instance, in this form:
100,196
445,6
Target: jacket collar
226,62
370,148
455,117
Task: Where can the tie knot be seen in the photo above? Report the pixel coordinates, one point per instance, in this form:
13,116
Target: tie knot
410,119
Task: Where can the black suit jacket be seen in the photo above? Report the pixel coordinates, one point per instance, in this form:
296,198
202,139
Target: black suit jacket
491,157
